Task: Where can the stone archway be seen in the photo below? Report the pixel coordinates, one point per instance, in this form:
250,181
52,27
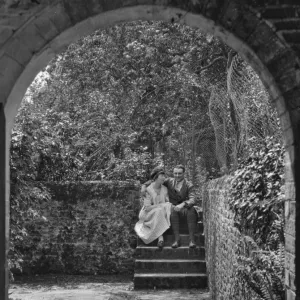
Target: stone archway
31,34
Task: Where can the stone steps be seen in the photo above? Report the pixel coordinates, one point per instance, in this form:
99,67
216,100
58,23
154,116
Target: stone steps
169,239
180,266
285,19
286,24
183,252
184,228
170,280
296,48
281,12
291,36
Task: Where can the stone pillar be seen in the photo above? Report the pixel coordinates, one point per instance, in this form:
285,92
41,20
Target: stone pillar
291,210
295,280
4,211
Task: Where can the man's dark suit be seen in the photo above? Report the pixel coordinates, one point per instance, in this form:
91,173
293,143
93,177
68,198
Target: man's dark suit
186,195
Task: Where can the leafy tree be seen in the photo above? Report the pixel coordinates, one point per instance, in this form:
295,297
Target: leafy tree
131,88
121,101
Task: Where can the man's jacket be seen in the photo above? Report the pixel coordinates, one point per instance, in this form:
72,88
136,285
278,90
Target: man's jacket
186,193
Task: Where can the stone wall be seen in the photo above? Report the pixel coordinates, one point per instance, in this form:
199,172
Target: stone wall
221,239
266,34
86,228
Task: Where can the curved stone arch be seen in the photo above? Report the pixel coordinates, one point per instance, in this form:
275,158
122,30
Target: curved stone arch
52,28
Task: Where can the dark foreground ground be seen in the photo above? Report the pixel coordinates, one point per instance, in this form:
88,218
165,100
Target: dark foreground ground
69,287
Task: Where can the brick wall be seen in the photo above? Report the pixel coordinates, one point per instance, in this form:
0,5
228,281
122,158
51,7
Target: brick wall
221,240
87,228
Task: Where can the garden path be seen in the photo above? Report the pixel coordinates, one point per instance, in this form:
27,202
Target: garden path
66,287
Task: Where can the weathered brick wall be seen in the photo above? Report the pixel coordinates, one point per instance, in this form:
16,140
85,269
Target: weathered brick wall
221,238
87,229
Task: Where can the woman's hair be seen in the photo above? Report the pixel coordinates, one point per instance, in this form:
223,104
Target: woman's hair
156,172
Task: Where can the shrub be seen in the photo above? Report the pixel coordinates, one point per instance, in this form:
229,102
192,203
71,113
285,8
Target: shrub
257,196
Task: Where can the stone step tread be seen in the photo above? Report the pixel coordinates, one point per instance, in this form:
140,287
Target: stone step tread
296,30
166,247
184,228
292,36
296,19
185,234
282,11
170,266
292,4
169,239
182,252
170,281
170,260
170,275
296,47
285,24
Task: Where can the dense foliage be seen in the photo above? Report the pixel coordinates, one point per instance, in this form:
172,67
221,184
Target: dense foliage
258,202
122,100
140,94
112,106
26,195
89,229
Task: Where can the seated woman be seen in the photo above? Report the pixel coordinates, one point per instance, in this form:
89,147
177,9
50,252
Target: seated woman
154,217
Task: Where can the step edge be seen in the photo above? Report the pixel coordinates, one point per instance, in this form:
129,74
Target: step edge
169,247
170,275
171,260
288,30
283,20
184,235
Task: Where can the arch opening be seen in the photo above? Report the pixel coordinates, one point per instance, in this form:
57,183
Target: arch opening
108,19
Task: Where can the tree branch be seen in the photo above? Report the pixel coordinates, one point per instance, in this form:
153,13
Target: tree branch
210,64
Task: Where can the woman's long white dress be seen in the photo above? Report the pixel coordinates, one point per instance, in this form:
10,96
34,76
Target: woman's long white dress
155,222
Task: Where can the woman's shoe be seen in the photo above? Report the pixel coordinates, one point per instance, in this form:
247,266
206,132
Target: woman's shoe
160,244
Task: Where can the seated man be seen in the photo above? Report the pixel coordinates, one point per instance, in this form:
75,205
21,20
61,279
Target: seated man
181,195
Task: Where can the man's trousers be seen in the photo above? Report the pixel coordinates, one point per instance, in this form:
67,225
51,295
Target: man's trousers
190,215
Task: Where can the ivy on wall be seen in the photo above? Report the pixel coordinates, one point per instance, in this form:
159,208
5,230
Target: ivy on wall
257,199
87,229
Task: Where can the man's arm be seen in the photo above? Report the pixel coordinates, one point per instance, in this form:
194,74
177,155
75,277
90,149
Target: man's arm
191,195
166,182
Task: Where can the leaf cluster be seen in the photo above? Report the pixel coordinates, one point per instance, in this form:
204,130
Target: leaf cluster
261,271
257,197
257,193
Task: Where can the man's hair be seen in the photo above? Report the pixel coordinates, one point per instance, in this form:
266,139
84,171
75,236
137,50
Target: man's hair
180,167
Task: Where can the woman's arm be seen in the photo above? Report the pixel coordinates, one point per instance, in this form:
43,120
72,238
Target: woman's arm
167,198
148,203
147,200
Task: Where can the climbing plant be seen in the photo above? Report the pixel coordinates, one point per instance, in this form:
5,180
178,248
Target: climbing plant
257,196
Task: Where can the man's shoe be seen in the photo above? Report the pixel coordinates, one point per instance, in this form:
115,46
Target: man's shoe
176,244
192,244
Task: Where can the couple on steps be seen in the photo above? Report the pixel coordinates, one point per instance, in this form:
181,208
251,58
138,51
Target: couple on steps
165,200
